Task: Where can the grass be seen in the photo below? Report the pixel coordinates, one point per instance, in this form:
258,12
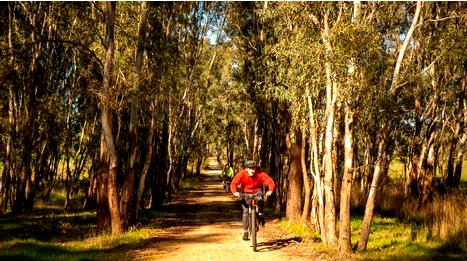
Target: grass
396,170
92,248
299,230
401,232
74,236
390,239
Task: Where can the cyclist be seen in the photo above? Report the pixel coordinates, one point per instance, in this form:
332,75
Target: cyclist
226,176
251,179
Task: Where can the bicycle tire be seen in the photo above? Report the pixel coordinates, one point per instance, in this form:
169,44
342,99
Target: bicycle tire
253,227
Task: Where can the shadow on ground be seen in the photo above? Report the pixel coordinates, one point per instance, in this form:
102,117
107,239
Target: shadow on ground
273,245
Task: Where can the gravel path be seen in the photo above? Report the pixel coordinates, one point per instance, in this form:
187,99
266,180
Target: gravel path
205,224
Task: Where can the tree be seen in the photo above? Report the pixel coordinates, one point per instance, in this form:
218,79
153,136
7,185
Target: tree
381,156
108,137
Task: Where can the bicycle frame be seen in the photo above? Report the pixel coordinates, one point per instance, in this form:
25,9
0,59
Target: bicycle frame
252,201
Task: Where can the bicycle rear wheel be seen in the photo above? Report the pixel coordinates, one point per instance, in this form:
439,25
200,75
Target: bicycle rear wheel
253,227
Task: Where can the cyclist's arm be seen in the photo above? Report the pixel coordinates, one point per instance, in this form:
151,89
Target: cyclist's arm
268,181
235,182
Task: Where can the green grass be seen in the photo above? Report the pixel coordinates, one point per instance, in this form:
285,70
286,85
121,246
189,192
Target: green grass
390,239
55,235
396,171
92,248
299,230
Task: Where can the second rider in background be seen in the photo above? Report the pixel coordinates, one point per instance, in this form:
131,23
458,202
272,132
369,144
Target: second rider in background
226,177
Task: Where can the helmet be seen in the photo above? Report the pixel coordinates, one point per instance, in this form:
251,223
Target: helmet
250,164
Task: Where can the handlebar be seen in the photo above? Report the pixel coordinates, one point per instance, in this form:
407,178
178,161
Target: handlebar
249,195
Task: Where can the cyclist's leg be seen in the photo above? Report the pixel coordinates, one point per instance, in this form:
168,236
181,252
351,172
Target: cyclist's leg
245,219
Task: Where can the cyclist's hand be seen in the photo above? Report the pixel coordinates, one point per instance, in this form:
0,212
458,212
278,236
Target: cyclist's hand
236,194
269,193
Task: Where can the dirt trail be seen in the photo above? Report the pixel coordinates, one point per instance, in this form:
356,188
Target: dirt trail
206,225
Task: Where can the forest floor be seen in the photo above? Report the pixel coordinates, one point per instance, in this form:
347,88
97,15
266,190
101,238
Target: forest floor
204,223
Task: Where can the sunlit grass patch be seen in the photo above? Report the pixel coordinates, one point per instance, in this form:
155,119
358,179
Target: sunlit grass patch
396,169
386,233
91,248
32,249
299,230
395,239
107,241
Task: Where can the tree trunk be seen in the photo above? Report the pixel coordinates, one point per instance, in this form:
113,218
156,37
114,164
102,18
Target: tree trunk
147,164
102,195
345,246
295,179
329,205
428,179
459,160
116,222
128,202
367,168
7,168
306,181
412,183
170,158
318,188
456,146
370,204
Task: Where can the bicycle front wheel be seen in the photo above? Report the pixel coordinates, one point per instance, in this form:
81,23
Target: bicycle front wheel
253,226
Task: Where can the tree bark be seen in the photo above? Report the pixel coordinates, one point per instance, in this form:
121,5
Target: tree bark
329,206
102,195
116,222
146,165
412,182
345,246
428,179
128,202
318,191
306,181
294,177
345,243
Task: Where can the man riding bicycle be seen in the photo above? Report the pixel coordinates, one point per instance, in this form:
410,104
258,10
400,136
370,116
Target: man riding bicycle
251,179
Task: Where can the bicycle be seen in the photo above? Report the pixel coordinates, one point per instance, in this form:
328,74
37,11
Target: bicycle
226,183
252,200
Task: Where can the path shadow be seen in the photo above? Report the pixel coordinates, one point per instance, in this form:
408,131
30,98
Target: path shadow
277,244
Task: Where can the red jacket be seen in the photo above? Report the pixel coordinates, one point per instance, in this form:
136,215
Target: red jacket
250,184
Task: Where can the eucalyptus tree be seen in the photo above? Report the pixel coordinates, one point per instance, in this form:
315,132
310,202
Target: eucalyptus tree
381,160
7,70
437,78
48,83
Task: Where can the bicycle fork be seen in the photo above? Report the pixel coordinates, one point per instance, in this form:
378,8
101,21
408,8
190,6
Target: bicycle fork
254,227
